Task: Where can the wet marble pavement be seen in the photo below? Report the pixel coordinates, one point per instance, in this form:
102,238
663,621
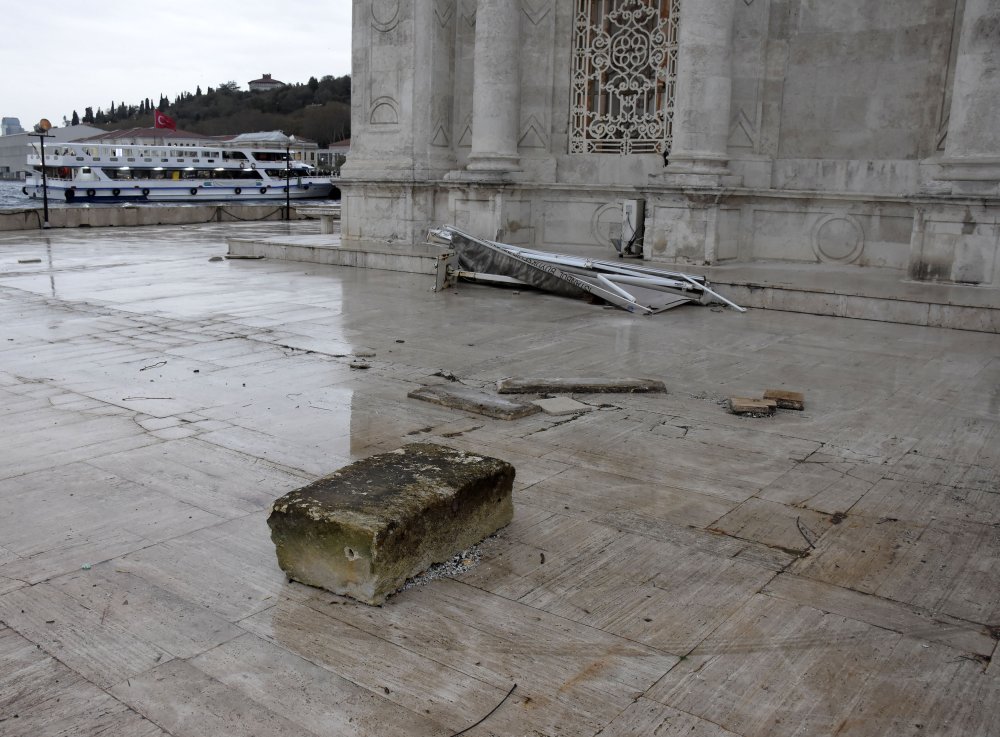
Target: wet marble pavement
671,569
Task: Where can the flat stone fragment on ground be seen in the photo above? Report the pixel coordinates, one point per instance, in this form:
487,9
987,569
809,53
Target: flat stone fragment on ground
786,399
473,400
365,529
561,406
751,406
579,386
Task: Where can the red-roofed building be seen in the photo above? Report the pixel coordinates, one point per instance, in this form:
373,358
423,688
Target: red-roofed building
264,83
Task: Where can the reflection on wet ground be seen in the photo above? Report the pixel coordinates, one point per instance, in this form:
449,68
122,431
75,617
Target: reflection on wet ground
672,569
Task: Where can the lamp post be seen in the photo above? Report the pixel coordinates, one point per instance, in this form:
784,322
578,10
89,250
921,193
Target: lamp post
288,177
42,131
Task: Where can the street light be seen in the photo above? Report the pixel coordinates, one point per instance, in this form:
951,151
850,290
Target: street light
42,131
288,177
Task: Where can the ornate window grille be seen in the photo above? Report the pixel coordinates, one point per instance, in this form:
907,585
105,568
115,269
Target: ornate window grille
624,74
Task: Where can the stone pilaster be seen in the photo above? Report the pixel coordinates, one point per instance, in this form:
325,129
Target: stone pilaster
496,109
402,98
972,150
698,154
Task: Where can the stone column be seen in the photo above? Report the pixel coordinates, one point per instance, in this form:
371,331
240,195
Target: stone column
702,99
972,149
496,108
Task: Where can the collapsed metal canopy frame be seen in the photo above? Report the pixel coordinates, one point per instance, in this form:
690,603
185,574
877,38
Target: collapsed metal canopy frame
637,289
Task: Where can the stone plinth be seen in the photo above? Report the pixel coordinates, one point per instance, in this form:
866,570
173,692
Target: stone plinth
365,529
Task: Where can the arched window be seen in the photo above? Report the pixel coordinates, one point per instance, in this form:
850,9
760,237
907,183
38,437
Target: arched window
624,73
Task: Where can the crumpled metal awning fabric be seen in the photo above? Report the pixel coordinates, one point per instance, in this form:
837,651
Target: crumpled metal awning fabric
637,289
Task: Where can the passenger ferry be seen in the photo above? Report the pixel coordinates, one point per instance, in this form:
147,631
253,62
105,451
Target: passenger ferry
100,172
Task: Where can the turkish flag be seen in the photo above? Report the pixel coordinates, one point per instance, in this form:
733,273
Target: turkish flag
161,120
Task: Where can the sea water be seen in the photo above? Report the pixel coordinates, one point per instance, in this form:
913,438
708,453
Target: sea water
12,197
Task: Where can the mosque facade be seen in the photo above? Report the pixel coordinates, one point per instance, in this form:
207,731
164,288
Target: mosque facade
849,133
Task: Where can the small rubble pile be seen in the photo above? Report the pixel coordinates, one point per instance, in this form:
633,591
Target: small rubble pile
772,400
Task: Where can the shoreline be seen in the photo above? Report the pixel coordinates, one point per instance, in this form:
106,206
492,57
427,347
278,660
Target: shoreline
130,215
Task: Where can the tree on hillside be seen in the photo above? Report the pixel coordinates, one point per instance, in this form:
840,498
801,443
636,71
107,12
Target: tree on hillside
318,110
75,120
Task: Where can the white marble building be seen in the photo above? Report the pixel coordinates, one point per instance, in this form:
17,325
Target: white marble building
858,132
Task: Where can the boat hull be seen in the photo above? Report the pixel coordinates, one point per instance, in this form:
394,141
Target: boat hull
155,191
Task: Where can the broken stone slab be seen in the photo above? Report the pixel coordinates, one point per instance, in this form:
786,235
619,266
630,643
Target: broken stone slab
561,406
786,399
457,396
578,386
365,529
751,406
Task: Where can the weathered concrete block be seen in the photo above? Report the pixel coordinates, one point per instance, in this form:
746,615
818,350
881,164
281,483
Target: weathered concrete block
365,529
786,399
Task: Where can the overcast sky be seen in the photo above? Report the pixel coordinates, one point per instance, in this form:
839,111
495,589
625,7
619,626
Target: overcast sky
65,55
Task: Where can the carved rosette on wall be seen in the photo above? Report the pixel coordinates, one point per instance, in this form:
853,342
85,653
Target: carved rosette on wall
838,239
606,223
624,73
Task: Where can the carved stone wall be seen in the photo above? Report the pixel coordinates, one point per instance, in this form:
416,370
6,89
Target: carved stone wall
832,151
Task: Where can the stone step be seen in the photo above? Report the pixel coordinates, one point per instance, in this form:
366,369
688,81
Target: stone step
326,249
866,293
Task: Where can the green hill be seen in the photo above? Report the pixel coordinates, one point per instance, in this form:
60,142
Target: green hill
319,110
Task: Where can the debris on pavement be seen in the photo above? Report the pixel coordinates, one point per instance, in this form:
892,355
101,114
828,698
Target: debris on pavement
638,289
752,407
561,406
535,385
786,399
472,400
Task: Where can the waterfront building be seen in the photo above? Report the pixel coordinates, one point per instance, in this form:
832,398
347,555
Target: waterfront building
828,135
10,126
14,148
264,83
